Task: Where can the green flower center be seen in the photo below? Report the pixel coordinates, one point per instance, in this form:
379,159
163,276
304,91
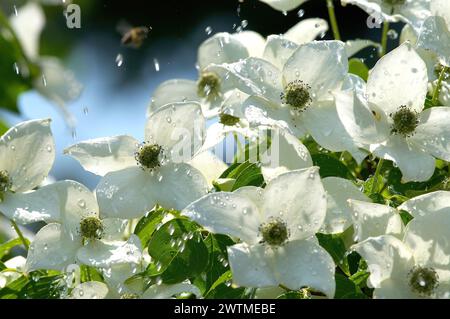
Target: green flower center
394,2
129,295
274,232
91,228
296,94
5,183
149,156
423,280
228,120
208,86
405,121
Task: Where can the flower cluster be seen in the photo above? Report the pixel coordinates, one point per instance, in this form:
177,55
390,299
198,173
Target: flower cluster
337,186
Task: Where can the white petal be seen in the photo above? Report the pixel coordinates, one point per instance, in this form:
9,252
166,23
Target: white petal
51,249
286,153
221,48
227,213
105,154
433,132
209,165
178,127
379,10
441,8
253,41
27,152
253,76
414,164
105,254
114,228
372,220
388,258
302,263
306,30
252,266
253,193
427,236
284,5
27,25
430,203
415,12
339,191
278,50
354,46
299,199
402,68
90,290
167,291
171,91
320,64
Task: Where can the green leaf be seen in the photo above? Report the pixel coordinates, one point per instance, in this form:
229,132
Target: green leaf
148,224
6,247
3,127
245,174
360,278
178,251
295,295
357,67
222,288
335,246
330,166
346,289
90,274
2,266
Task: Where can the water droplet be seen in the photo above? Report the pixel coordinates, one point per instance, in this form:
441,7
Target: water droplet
119,60
16,68
85,110
244,24
392,34
44,80
301,13
156,64
208,30
82,203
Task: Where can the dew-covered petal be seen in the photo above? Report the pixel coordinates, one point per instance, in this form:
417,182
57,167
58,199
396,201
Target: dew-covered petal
209,165
286,153
105,154
388,258
27,152
354,46
320,64
179,128
433,132
253,41
415,164
278,50
252,265
103,254
372,220
231,214
284,5
379,10
167,291
51,249
299,199
303,263
253,76
339,191
306,30
435,36
114,228
221,48
415,12
435,202
400,69
90,290
428,238
172,91
253,193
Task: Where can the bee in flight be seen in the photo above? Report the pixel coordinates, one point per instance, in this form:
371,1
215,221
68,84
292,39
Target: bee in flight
133,36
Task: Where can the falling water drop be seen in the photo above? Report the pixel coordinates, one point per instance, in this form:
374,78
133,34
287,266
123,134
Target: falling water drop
119,60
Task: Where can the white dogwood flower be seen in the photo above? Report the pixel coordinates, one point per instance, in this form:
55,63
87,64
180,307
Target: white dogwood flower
139,176
77,233
27,152
413,12
391,118
276,227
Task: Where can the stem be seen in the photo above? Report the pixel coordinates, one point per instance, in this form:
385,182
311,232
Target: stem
284,287
437,90
333,20
239,146
20,234
384,38
376,175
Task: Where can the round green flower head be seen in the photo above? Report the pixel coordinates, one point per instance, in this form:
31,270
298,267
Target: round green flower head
296,94
228,119
208,86
405,121
148,156
274,232
423,280
91,228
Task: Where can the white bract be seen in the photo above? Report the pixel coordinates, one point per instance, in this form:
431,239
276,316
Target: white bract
413,12
139,176
276,227
27,152
389,115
